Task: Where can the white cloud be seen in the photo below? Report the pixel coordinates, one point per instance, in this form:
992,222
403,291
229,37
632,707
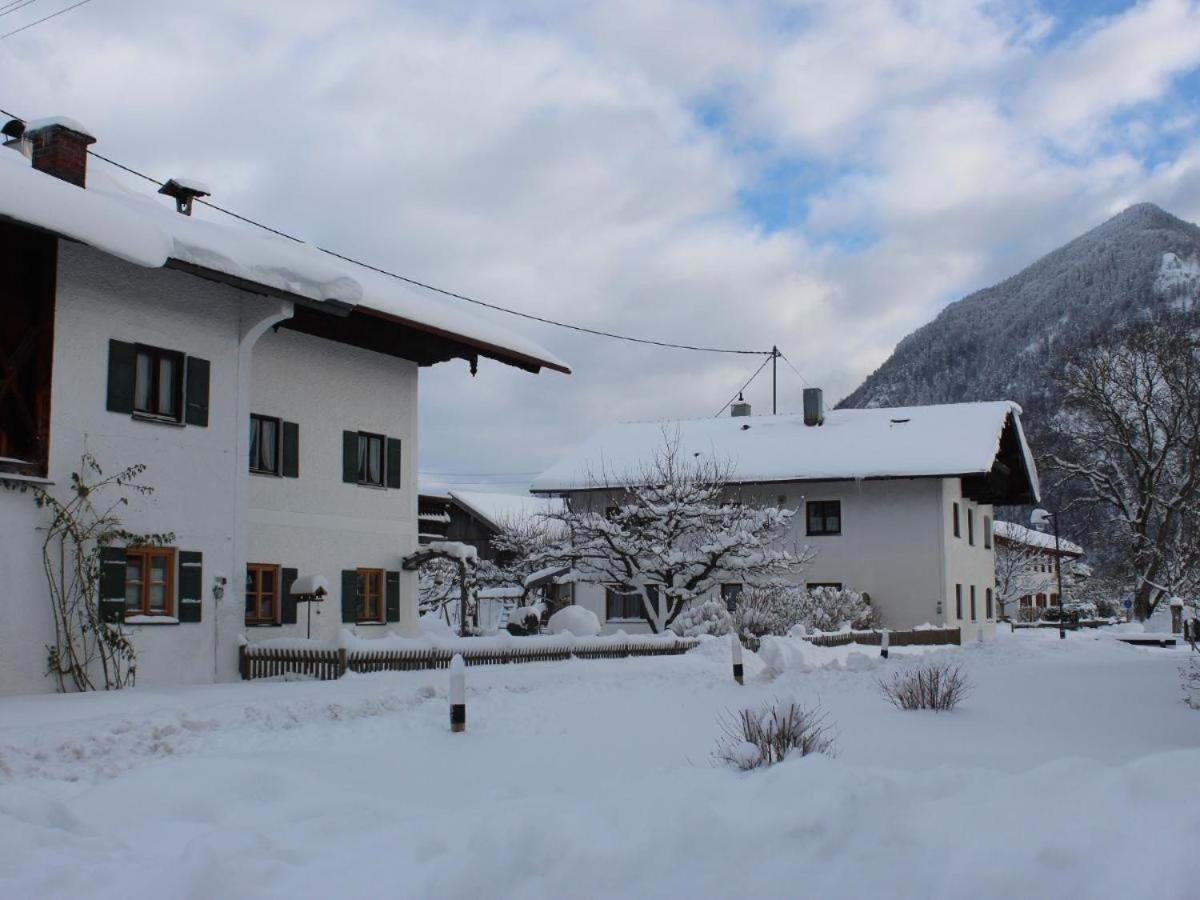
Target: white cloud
551,157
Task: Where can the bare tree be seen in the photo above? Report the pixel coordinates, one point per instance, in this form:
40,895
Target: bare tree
1130,431
670,532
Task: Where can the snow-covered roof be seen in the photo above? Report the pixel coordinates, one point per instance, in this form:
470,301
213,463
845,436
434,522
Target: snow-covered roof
1011,531
500,510
904,442
143,229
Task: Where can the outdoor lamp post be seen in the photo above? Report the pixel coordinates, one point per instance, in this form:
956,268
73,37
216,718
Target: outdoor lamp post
1038,519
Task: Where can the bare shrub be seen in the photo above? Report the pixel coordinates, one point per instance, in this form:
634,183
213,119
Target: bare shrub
760,737
936,686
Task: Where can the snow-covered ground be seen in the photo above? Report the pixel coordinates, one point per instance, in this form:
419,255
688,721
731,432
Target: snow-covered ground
1070,771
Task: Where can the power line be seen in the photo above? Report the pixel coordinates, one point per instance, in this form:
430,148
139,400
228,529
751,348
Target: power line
15,6
738,392
794,369
429,287
54,15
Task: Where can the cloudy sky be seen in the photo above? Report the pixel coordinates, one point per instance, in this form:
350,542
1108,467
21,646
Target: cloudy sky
824,176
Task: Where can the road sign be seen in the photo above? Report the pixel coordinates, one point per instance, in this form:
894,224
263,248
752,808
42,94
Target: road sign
1129,604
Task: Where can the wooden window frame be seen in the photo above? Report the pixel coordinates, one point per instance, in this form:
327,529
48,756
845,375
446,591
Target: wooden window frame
257,470
382,439
812,506
257,618
146,554
157,354
365,596
628,598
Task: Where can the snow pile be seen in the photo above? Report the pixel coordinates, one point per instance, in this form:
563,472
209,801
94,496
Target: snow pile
453,549
433,638
433,624
310,584
782,654
574,620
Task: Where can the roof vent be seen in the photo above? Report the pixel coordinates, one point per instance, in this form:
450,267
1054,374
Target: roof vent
14,133
814,406
184,191
739,407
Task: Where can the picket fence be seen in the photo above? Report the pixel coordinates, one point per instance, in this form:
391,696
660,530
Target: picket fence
326,664
917,637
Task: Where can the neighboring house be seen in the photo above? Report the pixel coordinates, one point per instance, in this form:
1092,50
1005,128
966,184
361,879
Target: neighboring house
896,503
476,517
1026,576
269,389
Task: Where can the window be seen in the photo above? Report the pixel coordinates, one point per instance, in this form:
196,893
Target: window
824,517
158,383
971,527
957,529
370,459
262,594
730,594
370,595
987,532
621,605
987,600
958,601
265,452
973,617
149,581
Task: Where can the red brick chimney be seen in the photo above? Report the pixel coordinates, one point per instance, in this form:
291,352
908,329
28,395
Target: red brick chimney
60,148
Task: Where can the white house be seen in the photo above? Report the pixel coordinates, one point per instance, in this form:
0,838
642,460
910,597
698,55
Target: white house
896,503
269,388
1027,563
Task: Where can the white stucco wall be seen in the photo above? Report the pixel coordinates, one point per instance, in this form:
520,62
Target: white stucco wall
192,469
316,523
895,546
966,563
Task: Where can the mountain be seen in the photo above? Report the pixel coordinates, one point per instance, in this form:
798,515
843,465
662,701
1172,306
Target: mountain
998,342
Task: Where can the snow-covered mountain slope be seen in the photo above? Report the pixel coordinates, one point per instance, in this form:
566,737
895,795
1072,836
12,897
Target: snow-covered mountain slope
998,342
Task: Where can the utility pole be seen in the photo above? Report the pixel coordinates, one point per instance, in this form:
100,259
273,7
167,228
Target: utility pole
774,381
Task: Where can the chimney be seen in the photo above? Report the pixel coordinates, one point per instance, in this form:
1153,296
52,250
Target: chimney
60,148
739,407
814,406
183,191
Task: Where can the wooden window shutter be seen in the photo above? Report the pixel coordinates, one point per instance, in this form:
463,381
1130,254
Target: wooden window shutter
392,597
196,392
393,462
290,438
287,603
112,584
350,457
349,595
191,568
122,366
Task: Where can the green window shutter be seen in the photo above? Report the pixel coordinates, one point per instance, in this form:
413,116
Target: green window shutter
112,584
191,568
196,392
391,582
287,603
290,439
349,595
350,457
122,368
393,462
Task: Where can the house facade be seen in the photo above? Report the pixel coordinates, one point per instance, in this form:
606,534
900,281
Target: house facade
269,391
894,503
1027,565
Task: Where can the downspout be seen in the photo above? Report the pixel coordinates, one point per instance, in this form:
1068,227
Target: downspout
255,321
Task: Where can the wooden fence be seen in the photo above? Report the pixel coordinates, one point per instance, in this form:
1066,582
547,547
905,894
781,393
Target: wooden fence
327,664
918,637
